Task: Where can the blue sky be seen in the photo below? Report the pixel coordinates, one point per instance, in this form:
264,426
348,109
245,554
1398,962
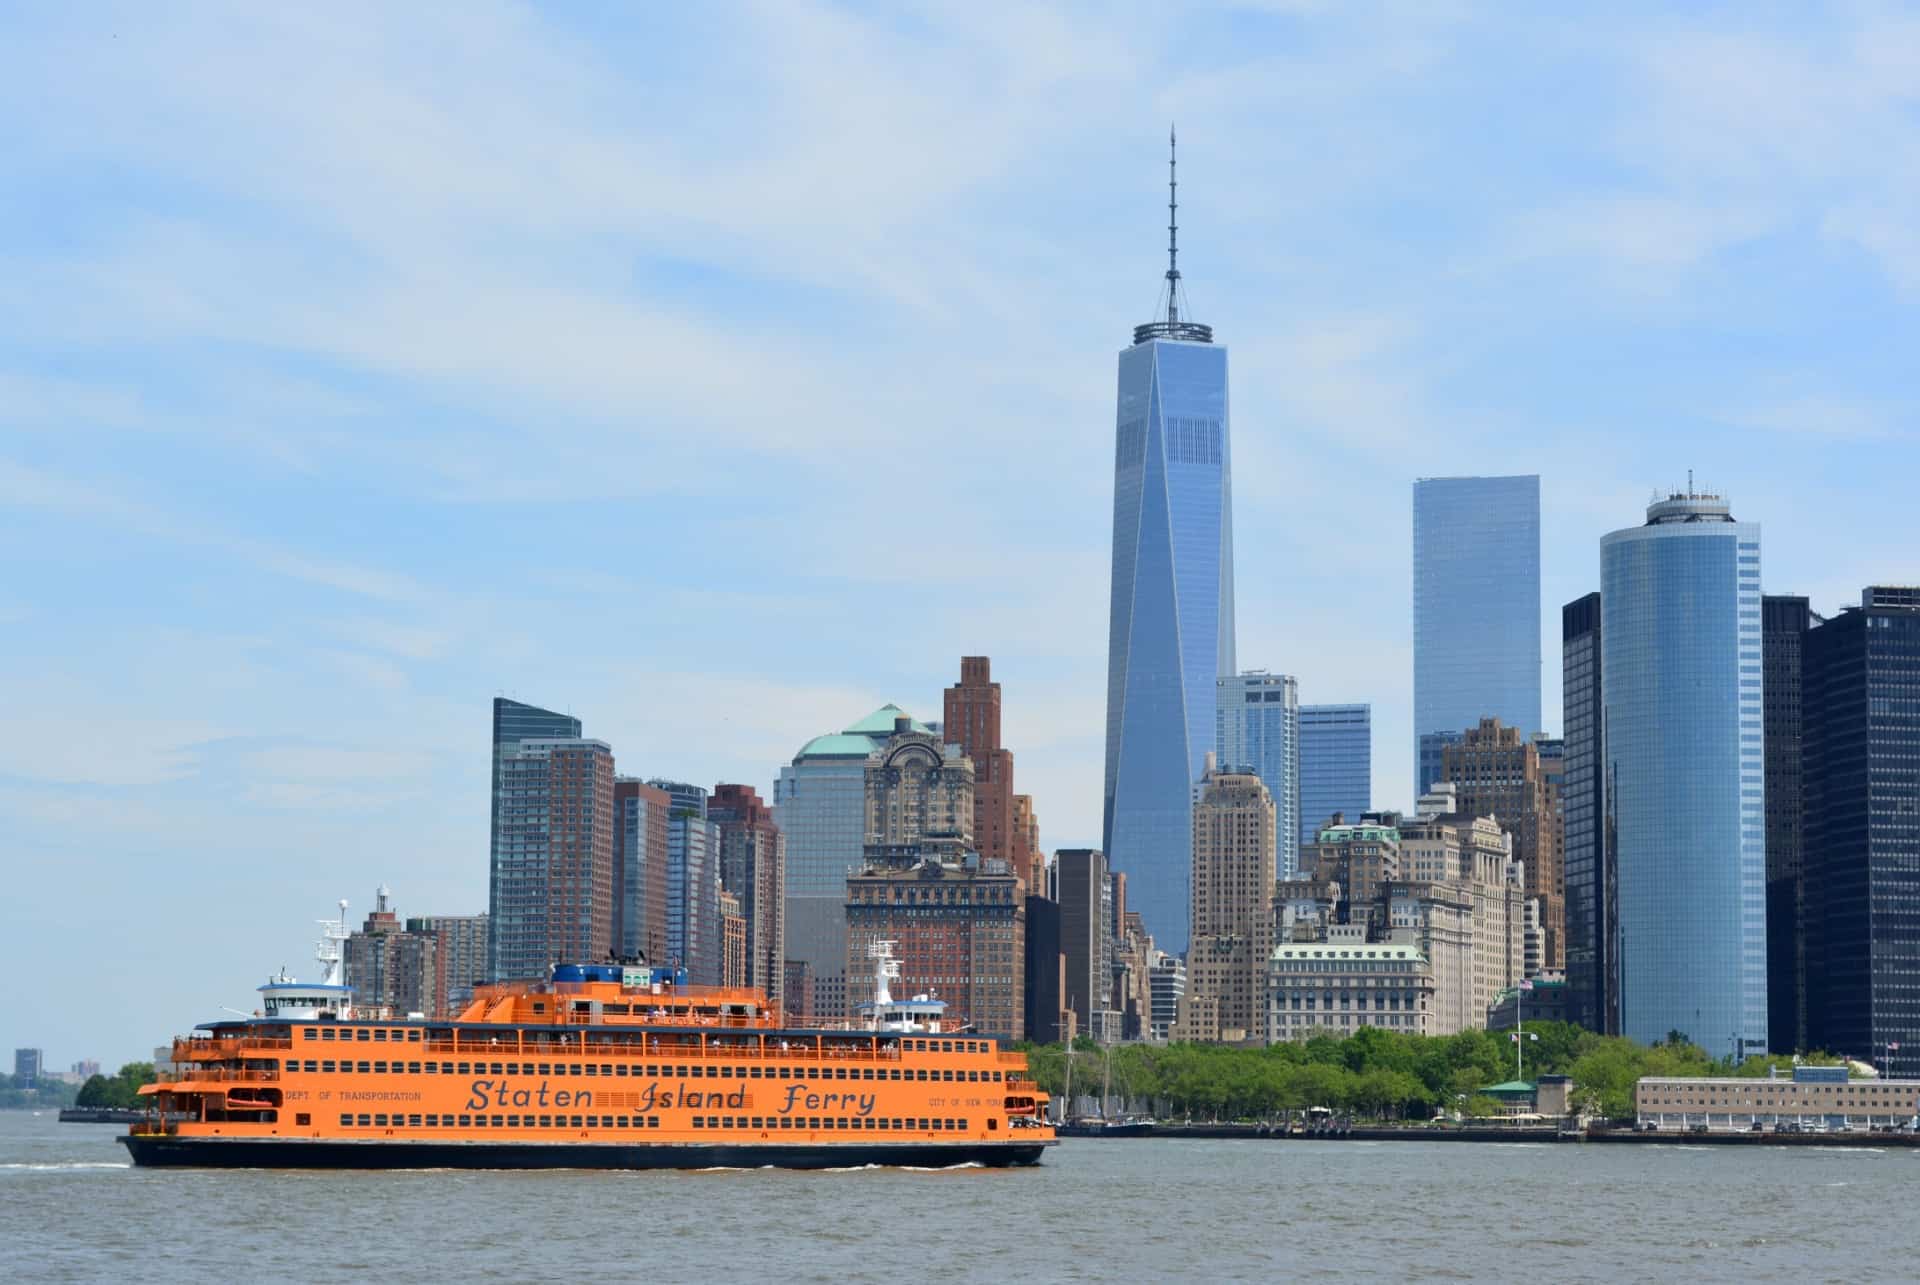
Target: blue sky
720,375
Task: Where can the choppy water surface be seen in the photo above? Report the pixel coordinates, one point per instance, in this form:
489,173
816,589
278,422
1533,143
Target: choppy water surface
72,1209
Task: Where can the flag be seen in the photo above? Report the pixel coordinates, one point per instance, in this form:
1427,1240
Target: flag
1527,984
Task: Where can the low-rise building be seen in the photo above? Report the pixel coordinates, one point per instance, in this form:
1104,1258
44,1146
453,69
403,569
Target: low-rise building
1814,1099
1347,982
1546,1001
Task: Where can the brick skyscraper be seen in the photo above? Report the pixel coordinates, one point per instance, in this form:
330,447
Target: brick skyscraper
753,867
971,720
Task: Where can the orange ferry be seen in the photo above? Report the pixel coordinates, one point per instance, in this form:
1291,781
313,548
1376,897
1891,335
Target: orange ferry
602,1066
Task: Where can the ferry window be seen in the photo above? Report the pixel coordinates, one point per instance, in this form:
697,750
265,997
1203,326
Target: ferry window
923,1123
513,1068
653,1122
574,1069
306,1032
697,1123
621,1069
312,1066
466,1121
497,1121
546,1121
753,1072
466,1068
379,1121
813,1122
380,1068
591,1069
593,1122
413,1036
346,1120
413,1068
326,1068
413,1121
365,1121
546,1069
433,1068
361,1034
498,1069
365,1068
379,1035
326,1032
946,1075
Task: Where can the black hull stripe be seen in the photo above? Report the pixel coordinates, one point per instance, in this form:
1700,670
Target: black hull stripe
277,1153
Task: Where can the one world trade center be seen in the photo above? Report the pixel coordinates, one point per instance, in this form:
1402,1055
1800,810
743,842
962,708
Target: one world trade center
1171,629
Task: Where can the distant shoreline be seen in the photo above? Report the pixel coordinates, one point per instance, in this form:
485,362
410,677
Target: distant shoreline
1465,1133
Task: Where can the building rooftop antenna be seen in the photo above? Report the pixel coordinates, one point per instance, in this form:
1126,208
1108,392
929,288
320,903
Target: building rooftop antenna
1170,325
1173,229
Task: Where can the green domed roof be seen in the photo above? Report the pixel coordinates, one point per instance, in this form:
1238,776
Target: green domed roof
860,740
880,722
837,745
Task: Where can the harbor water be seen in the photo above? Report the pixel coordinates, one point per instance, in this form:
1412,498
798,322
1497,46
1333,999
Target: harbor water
72,1209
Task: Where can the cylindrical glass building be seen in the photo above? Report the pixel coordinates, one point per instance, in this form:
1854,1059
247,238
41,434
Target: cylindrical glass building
1680,660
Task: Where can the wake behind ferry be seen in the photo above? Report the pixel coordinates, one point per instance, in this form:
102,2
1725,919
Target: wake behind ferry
604,1066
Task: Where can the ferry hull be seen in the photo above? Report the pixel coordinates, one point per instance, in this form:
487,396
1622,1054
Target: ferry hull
282,1153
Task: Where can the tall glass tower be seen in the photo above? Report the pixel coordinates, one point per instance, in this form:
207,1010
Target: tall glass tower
1336,765
1171,630
1476,610
1258,717
1680,678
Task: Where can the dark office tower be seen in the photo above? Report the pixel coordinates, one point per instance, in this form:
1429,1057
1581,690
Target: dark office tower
1476,610
1587,850
1046,971
640,823
753,864
1784,622
513,869
1084,889
971,720
1170,631
1861,757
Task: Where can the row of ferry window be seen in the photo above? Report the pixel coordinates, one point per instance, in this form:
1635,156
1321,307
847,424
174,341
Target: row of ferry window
770,1123
411,1035
590,1070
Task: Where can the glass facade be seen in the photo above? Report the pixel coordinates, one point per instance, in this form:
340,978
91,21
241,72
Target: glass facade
1681,679
1257,717
820,805
1476,610
1861,759
1171,629
1589,868
1336,765
514,885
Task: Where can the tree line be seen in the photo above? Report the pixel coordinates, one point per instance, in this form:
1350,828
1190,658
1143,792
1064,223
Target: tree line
121,1089
1377,1073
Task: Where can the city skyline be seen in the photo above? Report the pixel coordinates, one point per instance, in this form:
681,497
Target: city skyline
316,433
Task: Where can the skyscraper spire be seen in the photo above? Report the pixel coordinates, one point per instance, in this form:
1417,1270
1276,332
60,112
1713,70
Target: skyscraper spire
1173,231
1168,323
